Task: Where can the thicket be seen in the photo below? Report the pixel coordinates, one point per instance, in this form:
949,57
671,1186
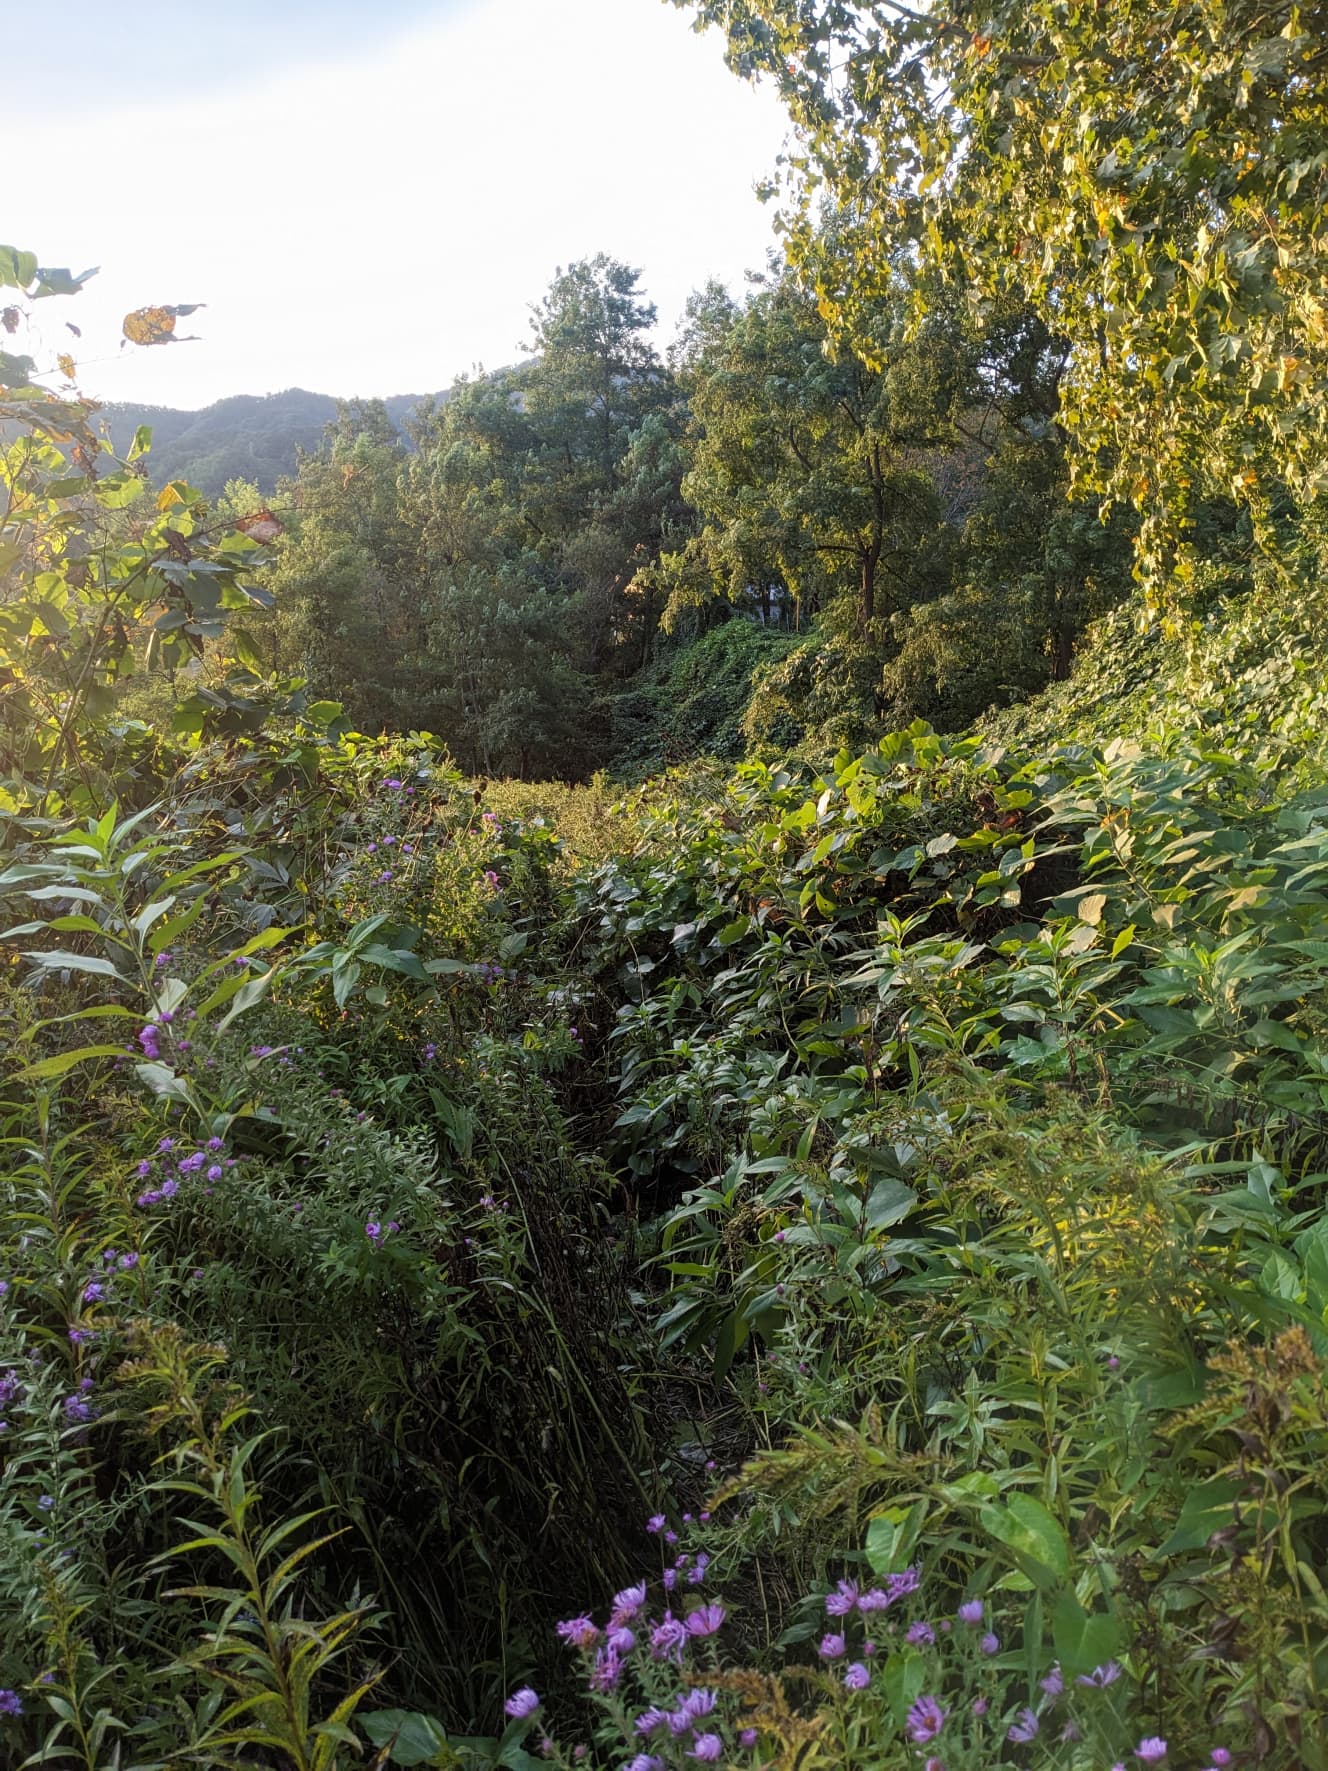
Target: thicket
815,1263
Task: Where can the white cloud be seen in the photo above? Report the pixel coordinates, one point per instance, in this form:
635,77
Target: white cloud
379,224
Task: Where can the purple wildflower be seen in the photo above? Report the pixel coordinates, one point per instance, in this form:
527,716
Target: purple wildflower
642,1761
1219,1756
629,1601
971,1611
649,1721
832,1647
668,1637
990,1643
11,1704
521,1704
705,1620
1024,1728
697,1704
606,1672
1054,1683
621,1639
94,1292
1101,1676
373,1230
899,1586
921,1634
856,1677
747,1737
924,1720
1151,1750
843,1600
707,1747
579,1631
656,1523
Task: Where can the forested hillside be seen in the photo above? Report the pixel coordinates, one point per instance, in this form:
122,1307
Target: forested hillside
254,437
664,1061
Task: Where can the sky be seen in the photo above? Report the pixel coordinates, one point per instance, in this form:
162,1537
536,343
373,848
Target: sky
367,194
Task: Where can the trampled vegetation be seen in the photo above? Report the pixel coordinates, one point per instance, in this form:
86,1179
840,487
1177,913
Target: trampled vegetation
812,1255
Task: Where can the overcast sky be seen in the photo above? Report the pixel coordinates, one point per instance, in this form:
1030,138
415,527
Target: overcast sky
368,197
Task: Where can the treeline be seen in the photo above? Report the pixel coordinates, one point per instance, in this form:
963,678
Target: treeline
531,573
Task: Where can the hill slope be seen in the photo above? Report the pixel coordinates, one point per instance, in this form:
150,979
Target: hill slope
246,436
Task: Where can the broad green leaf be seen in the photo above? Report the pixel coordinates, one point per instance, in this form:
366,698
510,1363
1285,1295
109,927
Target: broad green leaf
64,1061
905,1674
1083,1639
56,959
1208,1507
1038,1540
414,1739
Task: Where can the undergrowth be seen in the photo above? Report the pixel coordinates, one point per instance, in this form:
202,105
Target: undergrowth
843,1248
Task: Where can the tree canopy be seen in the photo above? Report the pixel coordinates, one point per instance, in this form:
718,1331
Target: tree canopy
1152,177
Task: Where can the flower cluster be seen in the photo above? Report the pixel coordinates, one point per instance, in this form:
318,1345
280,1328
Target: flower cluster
176,1161
966,1712
639,1658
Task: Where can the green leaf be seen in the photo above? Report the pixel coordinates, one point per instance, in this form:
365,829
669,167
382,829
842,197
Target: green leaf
150,913
889,1202
345,976
162,1080
415,1739
1083,1639
1208,1507
56,958
904,1676
252,990
892,1536
1038,1540
63,1061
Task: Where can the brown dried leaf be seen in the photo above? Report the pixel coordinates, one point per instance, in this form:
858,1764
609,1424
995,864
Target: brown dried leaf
261,526
149,325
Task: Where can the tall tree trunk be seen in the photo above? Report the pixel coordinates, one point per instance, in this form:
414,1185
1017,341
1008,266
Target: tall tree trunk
870,560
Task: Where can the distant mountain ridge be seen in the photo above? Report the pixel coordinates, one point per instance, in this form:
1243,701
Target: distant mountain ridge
243,437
